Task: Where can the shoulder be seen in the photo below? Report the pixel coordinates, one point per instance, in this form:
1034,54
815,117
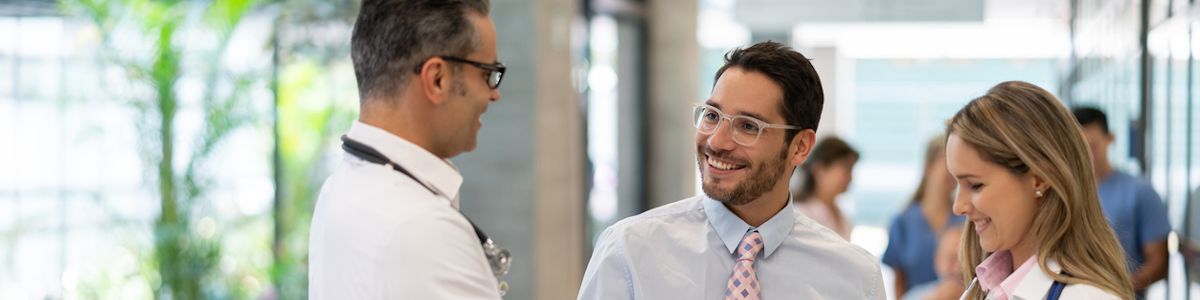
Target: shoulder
817,238
1140,188
909,213
651,228
686,211
1037,283
1087,291
820,248
356,209
373,193
1129,181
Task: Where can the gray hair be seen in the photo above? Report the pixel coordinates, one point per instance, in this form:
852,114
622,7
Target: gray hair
392,38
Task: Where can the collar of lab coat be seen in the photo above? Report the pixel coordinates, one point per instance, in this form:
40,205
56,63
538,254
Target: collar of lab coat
1037,283
429,170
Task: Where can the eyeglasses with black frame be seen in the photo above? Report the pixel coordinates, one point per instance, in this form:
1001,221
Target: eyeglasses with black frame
745,129
496,71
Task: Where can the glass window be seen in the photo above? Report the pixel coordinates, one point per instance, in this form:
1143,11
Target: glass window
899,105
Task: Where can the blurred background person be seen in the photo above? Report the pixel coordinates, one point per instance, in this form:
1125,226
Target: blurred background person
826,175
913,235
1136,213
949,283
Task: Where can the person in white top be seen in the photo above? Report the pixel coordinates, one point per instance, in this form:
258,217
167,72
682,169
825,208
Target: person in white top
826,175
386,224
1024,175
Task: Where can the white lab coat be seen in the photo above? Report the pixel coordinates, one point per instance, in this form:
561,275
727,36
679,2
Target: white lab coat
378,234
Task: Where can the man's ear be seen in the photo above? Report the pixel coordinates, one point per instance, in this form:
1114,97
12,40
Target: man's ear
435,80
800,146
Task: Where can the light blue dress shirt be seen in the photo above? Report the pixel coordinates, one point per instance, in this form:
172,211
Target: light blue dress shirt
686,250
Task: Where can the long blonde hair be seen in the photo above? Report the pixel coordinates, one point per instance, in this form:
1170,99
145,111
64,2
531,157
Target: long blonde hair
1024,128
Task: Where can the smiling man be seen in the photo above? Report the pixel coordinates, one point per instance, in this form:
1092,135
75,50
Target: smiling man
741,239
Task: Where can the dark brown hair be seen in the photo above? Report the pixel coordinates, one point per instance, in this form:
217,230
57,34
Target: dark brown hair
826,152
802,95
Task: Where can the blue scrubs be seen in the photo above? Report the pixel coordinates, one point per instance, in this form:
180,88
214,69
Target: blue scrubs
912,245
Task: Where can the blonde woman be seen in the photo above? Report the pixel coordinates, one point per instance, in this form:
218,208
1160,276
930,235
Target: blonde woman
1035,229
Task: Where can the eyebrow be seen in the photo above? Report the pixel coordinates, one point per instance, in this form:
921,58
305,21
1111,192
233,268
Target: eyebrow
965,176
748,114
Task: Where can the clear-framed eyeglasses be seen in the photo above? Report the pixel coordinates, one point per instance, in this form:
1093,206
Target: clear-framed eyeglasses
745,129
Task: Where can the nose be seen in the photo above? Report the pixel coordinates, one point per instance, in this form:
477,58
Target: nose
719,140
961,206
495,94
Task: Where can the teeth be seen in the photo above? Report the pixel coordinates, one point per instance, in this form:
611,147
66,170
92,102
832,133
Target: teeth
720,165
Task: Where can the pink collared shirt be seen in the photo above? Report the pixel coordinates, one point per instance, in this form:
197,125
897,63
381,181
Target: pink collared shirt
997,277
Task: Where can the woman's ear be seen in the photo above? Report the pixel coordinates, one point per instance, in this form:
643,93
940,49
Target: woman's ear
1040,185
801,146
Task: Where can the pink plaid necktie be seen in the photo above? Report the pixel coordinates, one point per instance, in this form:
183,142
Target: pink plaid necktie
743,284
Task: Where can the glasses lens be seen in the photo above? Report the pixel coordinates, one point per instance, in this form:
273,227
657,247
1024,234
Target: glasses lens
494,79
745,130
707,119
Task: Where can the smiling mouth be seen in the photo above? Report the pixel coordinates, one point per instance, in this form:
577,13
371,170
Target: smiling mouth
722,165
981,224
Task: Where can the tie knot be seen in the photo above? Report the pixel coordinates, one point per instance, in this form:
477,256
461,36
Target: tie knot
750,246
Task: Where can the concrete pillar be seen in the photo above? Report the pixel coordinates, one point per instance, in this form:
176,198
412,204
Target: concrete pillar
674,58
559,158
523,185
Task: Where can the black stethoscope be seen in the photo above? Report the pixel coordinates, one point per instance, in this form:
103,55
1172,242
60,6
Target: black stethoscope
499,259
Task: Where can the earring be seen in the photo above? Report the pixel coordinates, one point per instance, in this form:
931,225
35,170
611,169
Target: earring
1038,193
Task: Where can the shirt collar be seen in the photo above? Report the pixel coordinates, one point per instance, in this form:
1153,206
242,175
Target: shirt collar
1010,284
1035,285
993,270
730,228
437,173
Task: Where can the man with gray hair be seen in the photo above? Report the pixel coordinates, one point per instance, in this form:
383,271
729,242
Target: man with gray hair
386,224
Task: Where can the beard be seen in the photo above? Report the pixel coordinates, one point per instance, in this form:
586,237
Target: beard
764,176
